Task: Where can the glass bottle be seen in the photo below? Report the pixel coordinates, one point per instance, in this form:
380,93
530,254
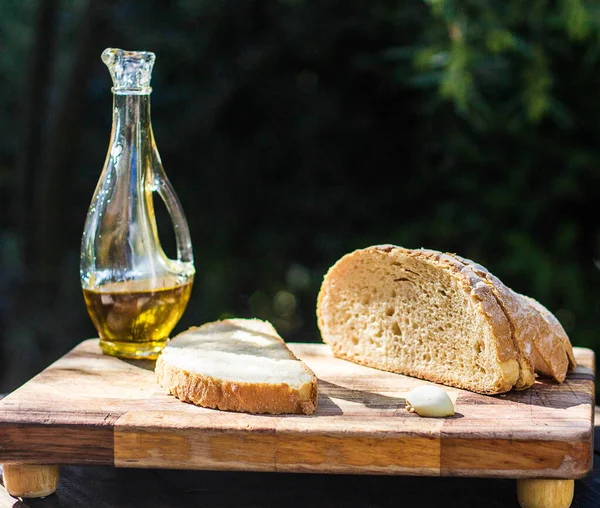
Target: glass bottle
134,293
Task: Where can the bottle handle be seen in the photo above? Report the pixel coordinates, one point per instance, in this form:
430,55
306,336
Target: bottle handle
182,232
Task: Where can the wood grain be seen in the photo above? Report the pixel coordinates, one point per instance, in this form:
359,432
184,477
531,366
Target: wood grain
89,408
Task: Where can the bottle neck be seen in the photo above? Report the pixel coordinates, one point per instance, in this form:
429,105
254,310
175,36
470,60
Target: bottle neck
131,118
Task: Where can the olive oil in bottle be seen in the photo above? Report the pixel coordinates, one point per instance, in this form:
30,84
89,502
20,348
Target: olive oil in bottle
134,321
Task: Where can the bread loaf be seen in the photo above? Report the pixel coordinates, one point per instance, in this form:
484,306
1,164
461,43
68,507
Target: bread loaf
237,365
438,317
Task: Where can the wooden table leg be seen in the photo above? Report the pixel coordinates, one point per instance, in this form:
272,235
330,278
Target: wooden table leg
534,493
30,480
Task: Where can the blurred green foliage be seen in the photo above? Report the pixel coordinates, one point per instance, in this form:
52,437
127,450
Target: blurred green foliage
295,131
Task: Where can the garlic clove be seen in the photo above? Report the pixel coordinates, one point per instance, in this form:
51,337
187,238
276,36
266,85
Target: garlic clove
429,400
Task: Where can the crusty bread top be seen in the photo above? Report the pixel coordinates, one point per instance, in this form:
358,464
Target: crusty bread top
241,350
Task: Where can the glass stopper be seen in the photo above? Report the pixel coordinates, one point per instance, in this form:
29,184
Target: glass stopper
131,71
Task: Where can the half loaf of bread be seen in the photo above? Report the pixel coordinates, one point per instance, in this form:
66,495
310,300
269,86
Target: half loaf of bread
438,317
237,365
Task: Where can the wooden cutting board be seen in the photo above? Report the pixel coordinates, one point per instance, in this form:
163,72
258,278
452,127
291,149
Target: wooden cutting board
88,408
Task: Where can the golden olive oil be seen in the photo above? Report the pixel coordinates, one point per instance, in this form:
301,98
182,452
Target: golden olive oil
134,321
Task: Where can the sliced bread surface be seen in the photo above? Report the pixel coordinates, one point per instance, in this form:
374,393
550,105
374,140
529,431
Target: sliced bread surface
420,313
237,365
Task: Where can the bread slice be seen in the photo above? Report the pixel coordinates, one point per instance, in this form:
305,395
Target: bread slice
552,349
434,316
521,319
540,338
237,365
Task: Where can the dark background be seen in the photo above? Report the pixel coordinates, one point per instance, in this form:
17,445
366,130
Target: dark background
296,131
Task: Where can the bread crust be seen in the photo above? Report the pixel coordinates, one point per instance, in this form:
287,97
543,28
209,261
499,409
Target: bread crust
230,395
